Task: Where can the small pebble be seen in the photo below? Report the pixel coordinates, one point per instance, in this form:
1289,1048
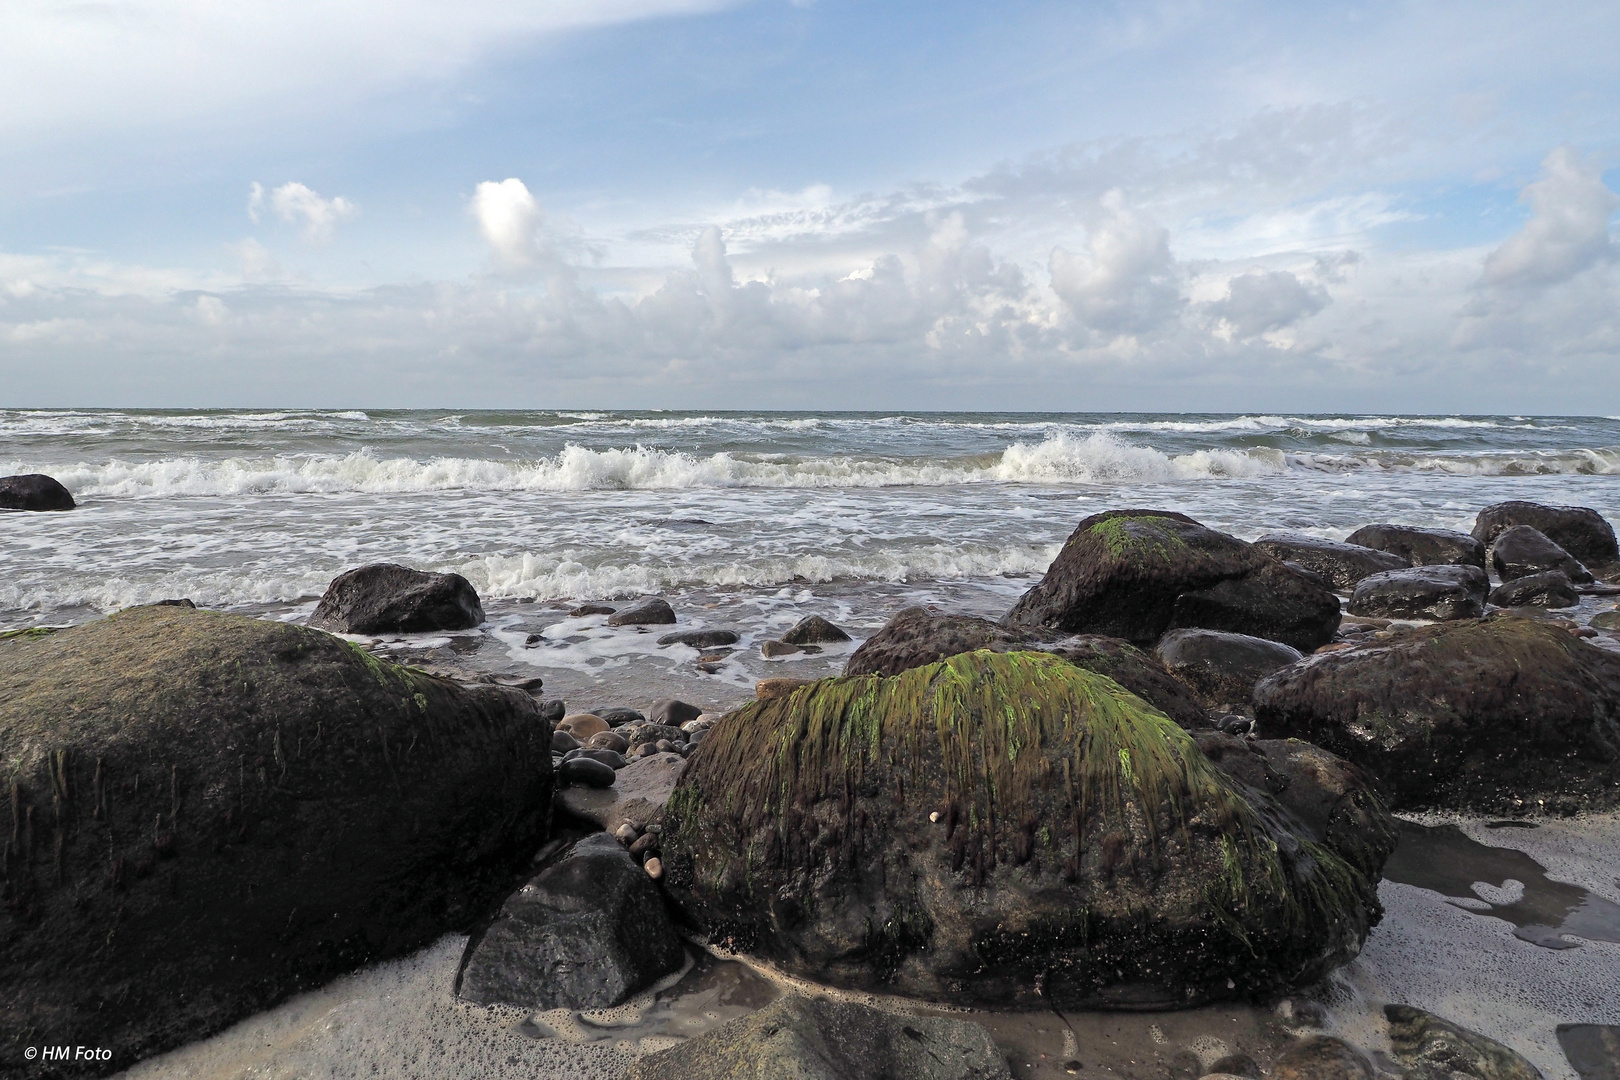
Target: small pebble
770,649
626,833
934,817
583,770
583,725
646,842
562,742
654,867
590,609
608,740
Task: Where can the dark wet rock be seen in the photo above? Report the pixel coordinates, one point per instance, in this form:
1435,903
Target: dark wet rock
1309,575
34,491
586,771
1502,715
562,742
212,812
1135,574
700,639
591,609
1423,547
847,833
915,637
1322,1057
1236,1065
653,611
388,598
1579,530
672,712
813,630
181,602
1607,620
585,933
637,796
1550,589
1592,1050
1340,565
608,740
1234,724
611,758
772,649
811,1038
619,716
1436,1049
1520,551
1423,592
1222,667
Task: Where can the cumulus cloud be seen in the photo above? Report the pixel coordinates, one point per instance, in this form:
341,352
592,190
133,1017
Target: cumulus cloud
509,219
1125,281
1265,301
1568,230
296,204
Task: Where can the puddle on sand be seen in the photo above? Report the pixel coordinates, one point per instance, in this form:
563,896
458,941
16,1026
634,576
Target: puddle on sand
1446,860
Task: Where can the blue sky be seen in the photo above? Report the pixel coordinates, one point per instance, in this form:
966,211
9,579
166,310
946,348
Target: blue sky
673,203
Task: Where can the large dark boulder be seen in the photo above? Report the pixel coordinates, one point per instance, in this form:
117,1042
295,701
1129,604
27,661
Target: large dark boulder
1551,589
652,611
1500,715
385,598
1422,592
208,813
814,630
1340,565
1423,547
915,637
1001,828
1579,530
585,933
1135,574
1520,551
34,491
1222,667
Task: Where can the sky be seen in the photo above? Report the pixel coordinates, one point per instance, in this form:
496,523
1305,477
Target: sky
1177,206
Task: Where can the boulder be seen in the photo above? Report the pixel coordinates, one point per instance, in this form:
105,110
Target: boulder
1501,715
1423,592
1000,828
1579,530
385,598
1520,551
34,491
812,1038
585,933
208,813
700,639
813,630
1436,1049
915,637
1322,1057
1222,667
1135,574
637,796
1340,565
1550,589
653,611
1592,1050
1423,547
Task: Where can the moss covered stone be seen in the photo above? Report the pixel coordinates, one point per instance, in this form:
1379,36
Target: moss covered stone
1001,828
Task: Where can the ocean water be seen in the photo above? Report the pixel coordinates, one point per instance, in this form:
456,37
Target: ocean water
258,510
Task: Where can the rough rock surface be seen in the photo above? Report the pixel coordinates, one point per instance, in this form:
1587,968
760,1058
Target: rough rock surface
638,794
1135,574
210,812
915,637
813,630
1422,592
653,611
1520,551
585,933
387,598
1550,589
1436,1049
700,639
1579,530
848,833
34,491
808,1038
1340,565
1222,667
1322,1057
1500,715
1424,547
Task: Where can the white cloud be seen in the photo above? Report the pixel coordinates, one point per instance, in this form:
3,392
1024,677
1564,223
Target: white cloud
509,220
295,203
1568,230
1125,281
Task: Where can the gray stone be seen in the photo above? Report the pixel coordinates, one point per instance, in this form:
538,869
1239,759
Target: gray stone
1340,565
388,598
585,933
637,796
618,717
34,491
1520,551
1579,530
611,758
591,609
1423,592
653,611
813,630
1222,667
673,712
1607,620
582,770
772,649
562,741
1550,589
700,639
1322,1057
1423,547
1436,1049
805,1038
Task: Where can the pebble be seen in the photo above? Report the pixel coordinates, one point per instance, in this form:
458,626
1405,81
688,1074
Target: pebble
553,710
654,867
673,711
583,725
618,717
626,833
770,649
583,770
611,758
608,740
645,843
664,746
562,741
646,749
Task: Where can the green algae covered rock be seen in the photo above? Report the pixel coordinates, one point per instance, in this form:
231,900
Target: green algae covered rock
206,813
1001,828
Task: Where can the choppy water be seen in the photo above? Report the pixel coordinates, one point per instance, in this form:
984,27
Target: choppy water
261,509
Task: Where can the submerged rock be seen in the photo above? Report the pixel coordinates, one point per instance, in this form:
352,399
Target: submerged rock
34,491
1222,667
1520,551
848,832
700,639
813,630
1340,565
1436,1049
1551,589
388,598
653,611
1135,574
1500,715
1322,1057
809,1038
211,812
1423,592
585,933
1579,530
1423,547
